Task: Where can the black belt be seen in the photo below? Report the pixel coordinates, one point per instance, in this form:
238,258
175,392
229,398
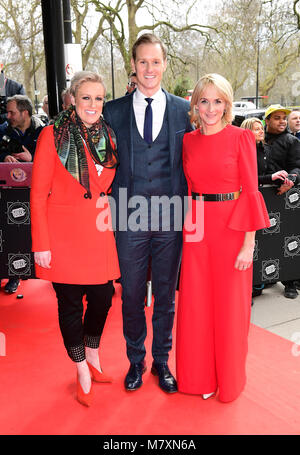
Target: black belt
219,197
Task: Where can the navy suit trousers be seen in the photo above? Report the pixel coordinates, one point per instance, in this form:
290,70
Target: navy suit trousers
135,249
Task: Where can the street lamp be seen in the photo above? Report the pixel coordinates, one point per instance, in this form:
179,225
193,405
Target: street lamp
36,92
112,64
257,71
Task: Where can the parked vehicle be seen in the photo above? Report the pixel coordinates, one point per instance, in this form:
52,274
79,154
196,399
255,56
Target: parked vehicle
240,116
242,105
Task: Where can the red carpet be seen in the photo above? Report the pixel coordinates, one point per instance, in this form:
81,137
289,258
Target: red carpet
37,382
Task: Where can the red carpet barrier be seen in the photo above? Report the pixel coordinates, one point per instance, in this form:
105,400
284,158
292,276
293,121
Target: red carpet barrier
277,249
276,255
16,259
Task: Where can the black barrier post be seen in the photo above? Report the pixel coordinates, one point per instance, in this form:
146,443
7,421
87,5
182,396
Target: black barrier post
54,53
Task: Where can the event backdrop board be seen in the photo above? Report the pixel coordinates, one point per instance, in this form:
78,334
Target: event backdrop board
16,259
277,249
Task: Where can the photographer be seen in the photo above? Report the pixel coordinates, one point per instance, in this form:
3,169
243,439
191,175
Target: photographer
283,153
18,136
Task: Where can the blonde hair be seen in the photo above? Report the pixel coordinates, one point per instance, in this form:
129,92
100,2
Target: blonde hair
248,123
148,38
225,90
84,76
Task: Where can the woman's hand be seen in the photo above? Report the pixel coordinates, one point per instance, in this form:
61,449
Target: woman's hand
281,175
43,259
245,256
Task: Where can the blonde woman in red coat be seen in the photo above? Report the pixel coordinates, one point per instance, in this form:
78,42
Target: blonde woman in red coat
72,236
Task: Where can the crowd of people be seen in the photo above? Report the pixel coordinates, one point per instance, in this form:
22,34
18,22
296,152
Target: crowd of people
151,143
278,160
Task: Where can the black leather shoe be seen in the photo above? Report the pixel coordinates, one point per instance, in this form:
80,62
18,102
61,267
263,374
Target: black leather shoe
167,382
257,290
133,380
12,285
290,292
297,284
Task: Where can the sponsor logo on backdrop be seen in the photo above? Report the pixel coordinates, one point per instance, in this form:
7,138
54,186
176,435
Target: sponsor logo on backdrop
19,264
275,224
292,198
291,246
270,270
18,213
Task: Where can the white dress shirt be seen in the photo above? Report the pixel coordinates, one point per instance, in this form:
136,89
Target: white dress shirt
158,108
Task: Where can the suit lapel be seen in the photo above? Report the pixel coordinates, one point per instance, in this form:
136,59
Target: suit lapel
125,129
130,116
171,111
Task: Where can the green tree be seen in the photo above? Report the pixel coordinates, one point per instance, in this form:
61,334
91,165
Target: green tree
154,17
21,40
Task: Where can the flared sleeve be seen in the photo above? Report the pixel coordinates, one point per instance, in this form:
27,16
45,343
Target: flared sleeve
250,212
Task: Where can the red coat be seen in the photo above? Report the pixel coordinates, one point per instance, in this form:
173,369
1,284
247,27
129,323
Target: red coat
65,222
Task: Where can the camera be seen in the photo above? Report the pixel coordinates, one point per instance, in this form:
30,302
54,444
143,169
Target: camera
292,177
10,145
2,105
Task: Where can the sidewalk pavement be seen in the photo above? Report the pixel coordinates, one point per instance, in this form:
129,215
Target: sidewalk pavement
277,314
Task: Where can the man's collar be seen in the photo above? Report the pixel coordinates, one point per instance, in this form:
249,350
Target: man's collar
277,134
140,96
19,131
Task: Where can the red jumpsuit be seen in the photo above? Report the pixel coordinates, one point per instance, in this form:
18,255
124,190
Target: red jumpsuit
215,298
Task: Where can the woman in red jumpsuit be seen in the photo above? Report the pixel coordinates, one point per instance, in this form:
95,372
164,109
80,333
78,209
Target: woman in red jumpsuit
216,272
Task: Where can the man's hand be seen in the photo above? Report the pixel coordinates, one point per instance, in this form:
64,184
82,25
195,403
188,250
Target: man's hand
23,156
10,159
285,187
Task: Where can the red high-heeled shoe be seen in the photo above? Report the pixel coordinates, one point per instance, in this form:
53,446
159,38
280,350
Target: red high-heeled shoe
83,398
97,376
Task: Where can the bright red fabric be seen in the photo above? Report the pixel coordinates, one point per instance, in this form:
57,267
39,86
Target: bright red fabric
65,222
214,298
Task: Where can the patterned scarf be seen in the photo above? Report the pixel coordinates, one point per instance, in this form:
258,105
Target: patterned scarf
70,136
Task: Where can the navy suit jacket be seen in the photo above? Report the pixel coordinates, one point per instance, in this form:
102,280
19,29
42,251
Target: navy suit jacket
119,114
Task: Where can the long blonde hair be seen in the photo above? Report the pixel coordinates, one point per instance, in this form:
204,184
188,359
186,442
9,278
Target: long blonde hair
225,90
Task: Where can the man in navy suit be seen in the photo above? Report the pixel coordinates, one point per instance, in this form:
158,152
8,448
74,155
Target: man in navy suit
149,124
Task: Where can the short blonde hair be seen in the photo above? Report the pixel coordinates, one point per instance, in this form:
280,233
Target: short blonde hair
84,76
225,90
248,123
148,38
